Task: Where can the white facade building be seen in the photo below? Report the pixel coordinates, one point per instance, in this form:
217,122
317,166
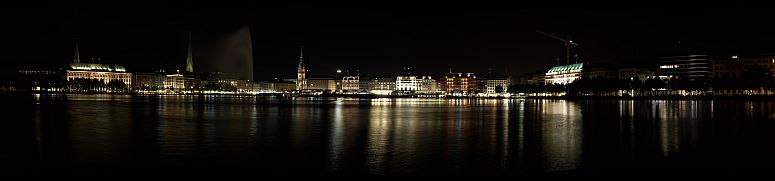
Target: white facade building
415,83
350,83
491,85
564,74
102,72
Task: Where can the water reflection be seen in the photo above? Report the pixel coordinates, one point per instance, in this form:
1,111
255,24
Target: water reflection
678,123
336,151
561,135
391,136
177,131
378,152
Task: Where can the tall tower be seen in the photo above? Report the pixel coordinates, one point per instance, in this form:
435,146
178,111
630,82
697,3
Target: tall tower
301,73
77,57
189,57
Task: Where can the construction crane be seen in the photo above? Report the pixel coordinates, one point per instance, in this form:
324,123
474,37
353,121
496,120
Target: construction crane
568,43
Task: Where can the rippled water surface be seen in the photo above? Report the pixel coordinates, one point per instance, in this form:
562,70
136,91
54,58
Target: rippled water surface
113,133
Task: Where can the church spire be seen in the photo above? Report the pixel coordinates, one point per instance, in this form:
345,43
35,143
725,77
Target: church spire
77,57
189,57
301,73
301,57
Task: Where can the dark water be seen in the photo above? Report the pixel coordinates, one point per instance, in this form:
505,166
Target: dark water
113,134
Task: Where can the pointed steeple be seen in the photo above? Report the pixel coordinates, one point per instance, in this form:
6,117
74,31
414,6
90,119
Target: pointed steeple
77,57
189,57
301,72
301,57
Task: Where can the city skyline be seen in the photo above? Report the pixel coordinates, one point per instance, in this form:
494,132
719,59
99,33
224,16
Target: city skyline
440,89
381,40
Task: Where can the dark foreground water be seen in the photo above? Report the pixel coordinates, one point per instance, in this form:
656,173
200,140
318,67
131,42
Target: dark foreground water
212,135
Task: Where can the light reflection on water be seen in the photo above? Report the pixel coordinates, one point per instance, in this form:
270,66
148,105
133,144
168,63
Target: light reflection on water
385,136
561,135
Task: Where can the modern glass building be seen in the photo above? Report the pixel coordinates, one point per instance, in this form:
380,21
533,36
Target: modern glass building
690,66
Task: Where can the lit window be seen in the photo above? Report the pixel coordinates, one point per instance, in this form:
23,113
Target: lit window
668,66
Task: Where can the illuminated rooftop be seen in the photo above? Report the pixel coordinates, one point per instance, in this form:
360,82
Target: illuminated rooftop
577,66
97,67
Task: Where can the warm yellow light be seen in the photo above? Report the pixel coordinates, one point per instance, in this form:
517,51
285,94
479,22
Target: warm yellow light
668,66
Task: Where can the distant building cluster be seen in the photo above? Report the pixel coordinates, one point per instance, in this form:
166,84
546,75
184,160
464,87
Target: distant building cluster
95,77
402,84
687,74
683,74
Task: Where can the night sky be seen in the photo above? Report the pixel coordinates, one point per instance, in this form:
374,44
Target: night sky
377,39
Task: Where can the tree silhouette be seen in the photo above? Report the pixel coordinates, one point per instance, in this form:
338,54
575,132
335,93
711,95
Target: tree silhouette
117,86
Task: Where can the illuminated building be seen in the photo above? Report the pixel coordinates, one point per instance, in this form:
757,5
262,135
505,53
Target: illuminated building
735,66
180,83
415,83
255,87
175,81
382,85
459,83
301,72
350,83
142,81
100,72
489,85
276,85
324,84
686,66
564,74
408,83
428,84
363,86
242,86
338,80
